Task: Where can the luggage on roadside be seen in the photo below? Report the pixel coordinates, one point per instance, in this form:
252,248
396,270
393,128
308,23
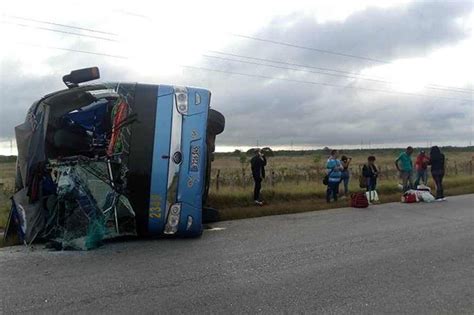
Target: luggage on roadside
359,200
426,196
372,196
410,197
423,188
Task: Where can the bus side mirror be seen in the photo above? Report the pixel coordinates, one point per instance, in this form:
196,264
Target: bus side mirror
81,75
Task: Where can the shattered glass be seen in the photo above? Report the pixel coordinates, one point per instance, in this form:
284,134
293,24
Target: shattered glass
87,209
79,190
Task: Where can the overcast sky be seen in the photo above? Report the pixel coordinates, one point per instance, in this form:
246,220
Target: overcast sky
385,72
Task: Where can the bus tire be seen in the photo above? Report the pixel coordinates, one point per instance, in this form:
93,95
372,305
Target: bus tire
209,215
215,122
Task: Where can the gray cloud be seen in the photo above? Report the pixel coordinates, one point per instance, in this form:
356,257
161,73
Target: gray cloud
17,94
278,112
18,90
384,34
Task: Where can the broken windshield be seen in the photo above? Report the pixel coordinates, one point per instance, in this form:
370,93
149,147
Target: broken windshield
75,185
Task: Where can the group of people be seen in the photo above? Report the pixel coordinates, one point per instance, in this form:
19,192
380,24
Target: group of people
411,175
337,172
436,160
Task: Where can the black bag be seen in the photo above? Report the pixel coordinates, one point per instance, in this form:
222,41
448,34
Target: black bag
326,178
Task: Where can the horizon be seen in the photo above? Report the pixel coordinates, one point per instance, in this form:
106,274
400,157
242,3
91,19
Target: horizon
299,148
307,73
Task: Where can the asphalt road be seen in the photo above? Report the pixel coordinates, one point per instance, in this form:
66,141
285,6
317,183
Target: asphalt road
392,258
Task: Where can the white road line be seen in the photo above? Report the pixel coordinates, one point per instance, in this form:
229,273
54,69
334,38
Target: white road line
216,229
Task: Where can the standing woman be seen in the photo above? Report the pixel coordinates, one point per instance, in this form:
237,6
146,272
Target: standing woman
333,169
437,162
370,173
345,173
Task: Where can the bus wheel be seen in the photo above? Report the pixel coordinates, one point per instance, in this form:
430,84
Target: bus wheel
215,122
209,215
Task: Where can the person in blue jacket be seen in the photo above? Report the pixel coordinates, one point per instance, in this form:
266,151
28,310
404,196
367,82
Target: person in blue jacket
334,169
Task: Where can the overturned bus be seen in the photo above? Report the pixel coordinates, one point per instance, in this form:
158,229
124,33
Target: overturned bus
96,161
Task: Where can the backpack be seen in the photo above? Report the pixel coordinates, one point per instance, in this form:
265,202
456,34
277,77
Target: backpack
409,198
359,200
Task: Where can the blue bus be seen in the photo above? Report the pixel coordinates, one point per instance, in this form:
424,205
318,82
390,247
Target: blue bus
133,157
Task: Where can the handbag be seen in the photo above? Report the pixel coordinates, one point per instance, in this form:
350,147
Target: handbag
326,178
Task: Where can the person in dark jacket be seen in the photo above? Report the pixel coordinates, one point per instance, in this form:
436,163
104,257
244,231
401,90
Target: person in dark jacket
345,174
437,171
258,163
370,173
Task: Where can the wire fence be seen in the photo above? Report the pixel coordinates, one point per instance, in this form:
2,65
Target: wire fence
300,175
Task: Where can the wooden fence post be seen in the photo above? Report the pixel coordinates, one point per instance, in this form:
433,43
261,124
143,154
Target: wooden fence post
218,175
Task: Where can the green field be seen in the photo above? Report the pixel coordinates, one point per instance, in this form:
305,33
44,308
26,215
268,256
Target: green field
293,183
294,180
7,180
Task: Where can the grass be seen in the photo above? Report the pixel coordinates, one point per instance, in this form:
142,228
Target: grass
298,186
232,163
314,200
7,179
288,196
230,197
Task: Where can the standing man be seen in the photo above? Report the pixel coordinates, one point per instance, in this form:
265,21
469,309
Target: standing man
258,163
404,165
334,169
437,170
421,166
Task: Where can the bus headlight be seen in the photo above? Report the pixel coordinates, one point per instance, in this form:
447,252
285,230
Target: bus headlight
181,95
173,219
